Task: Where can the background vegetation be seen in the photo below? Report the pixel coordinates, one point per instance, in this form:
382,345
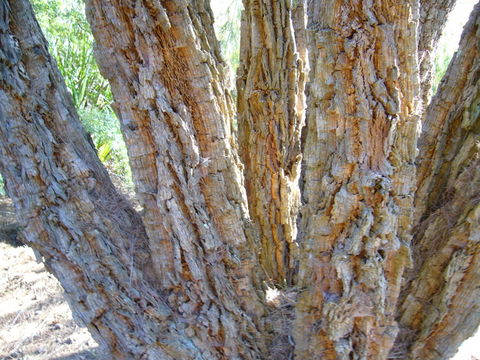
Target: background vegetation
70,43
70,40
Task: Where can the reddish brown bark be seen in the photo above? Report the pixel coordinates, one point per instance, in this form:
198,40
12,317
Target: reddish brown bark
359,176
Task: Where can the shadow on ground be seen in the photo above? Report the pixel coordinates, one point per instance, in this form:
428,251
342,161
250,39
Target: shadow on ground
91,354
9,227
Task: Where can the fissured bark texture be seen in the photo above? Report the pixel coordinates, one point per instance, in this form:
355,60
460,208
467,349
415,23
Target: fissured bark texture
326,214
271,103
359,176
439,304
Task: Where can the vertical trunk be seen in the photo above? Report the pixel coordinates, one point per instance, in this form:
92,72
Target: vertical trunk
441,295
270,85
359,176
87,234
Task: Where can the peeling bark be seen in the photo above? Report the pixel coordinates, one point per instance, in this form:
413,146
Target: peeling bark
88,235
440,301
271,82
359,176
168,85
199,302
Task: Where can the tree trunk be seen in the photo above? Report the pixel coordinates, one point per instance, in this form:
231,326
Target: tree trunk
271,82
433,18
325,215
441,294
197,303
88,235
359,176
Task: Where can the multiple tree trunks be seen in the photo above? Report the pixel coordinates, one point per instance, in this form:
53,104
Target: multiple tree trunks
87,234
439,305
185,277
167,79
197,302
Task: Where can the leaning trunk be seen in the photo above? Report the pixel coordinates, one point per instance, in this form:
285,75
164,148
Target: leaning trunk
87,234
441,295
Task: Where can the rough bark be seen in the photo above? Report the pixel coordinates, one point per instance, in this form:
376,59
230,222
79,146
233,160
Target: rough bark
185,279
90,238
441,129
87,234
270,84
440,301
359,176
168,86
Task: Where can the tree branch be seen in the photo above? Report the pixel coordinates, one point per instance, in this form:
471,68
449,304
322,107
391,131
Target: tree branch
442,134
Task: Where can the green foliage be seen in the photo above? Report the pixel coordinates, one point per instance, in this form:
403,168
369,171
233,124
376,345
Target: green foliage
105,131
70,43
2,187
227,28
440,65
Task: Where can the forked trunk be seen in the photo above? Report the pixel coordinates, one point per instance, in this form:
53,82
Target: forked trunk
325,215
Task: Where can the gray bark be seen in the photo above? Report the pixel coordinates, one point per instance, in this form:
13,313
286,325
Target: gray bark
96,245
433,18
88,235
